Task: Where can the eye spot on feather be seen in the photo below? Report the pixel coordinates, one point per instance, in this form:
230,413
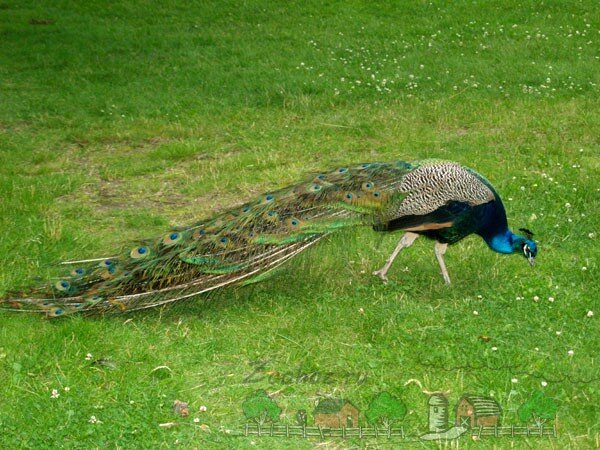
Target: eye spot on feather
108,272
106,263
342,170
293,223
271,216
55,312
269,198
62,285
198,234
246,209
172,238
139,252
315,187
349,197
320,177
365,166
79,272
367,186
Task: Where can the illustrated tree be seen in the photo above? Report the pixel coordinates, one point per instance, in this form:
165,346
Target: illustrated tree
538,409
385,409
301,417
260,408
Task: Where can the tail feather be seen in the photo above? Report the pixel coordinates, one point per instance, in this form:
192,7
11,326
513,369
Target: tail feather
239,246
200,286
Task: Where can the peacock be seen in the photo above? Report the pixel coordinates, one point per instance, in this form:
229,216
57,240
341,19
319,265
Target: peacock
441,200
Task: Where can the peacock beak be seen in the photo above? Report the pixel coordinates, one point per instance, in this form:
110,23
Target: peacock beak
531,260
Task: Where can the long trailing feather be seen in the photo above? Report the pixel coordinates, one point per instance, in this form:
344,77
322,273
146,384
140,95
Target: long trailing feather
239,246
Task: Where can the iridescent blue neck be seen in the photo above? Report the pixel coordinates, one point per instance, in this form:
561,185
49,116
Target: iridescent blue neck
502,242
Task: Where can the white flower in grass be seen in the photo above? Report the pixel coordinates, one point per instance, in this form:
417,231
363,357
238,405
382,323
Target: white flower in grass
494,349
558,333
514,381
590,313
570,353
536,298
67,389
54,393
544,383
88,357
94,419
196,419
203,408
475,313
550,299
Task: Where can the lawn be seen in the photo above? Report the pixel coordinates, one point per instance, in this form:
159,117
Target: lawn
119,121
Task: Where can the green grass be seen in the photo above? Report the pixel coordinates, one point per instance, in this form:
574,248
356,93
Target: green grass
118,121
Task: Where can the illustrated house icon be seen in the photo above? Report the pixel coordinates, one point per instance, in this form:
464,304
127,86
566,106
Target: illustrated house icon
336,413
475,411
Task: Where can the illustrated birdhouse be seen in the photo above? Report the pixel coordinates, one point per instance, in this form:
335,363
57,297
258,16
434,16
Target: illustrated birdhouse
336,413
438,413
474,411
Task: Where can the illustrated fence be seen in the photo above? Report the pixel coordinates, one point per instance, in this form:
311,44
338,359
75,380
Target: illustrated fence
367,432
320,432
514,431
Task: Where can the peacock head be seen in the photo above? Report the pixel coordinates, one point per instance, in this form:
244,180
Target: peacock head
526,245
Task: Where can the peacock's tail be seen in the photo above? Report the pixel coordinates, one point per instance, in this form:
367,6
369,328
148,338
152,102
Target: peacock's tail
241,245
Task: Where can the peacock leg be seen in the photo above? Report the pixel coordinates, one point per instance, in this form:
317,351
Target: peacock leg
406,241
440,249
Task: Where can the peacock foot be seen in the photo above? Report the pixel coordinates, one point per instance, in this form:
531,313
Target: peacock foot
381,274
